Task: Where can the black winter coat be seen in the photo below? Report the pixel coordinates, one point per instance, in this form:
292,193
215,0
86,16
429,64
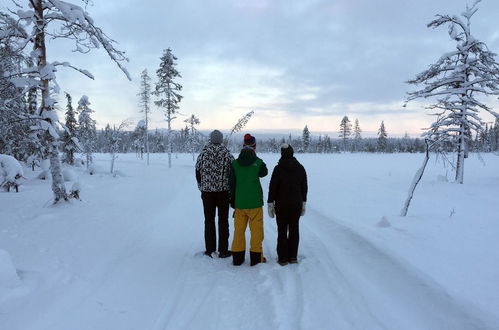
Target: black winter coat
288,185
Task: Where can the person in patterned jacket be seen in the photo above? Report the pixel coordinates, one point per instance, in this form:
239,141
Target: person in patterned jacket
212,175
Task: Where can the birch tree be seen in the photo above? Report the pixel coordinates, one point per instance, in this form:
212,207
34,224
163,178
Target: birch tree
454,81
33,24
167,90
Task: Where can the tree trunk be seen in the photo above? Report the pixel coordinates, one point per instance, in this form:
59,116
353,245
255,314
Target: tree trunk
147,136
460,159
415,181
58,186
169,141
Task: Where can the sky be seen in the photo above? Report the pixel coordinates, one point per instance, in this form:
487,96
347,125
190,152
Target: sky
294,62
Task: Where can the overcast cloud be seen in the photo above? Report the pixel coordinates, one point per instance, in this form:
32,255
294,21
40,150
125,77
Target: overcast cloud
294,62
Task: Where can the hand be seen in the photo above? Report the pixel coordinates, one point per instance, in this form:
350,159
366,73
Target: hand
303,208
271,209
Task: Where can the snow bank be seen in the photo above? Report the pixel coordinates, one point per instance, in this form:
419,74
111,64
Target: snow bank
11,171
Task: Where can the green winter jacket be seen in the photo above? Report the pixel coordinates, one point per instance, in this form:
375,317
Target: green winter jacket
246,190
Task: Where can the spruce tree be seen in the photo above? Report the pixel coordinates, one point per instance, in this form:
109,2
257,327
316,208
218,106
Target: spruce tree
382,137
167,90
357,135
305,138
191,131
86,129
345,131
69,145
145,100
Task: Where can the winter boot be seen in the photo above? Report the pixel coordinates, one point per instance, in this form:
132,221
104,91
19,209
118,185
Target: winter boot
293,260
283,262
256,258
238,258
224,254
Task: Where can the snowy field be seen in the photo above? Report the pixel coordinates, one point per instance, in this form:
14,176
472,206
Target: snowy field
128,255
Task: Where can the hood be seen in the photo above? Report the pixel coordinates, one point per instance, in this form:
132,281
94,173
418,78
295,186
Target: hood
246,157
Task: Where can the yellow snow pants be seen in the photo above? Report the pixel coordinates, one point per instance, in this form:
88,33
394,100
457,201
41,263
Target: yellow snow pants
241,219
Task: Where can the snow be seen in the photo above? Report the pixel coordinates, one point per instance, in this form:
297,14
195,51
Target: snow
129,254
10,169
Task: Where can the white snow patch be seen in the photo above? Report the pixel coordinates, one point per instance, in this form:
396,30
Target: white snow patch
8,274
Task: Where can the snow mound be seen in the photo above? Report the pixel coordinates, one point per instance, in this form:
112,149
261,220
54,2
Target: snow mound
442,178
68,174
8,275
11,171
384,223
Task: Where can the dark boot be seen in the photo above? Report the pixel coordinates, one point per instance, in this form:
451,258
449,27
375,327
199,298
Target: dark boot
256,258
238,258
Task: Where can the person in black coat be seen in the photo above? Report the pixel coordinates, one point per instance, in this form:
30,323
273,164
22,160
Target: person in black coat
287,199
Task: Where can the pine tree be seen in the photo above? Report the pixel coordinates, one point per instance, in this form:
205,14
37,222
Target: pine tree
192,121
69,145
382,137
167,91
86,129
305,138
345,131
454,81
145,100
357,135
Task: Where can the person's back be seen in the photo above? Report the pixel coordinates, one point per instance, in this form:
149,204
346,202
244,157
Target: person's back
247,170
213,168
287,198
212,175
247,199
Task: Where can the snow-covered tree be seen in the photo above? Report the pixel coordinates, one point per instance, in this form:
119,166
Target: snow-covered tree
345,131
192,121
305,138
454,81
382,137
357,137
145,101
30,26
86,129
167,90
69,140
114,139
238,126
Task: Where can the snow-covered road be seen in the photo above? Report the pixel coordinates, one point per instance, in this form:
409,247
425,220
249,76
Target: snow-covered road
129,256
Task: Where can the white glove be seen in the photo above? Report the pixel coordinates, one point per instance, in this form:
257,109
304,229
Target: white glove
303,208
271,209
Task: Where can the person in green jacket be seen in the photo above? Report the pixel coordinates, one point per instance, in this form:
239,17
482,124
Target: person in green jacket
246,196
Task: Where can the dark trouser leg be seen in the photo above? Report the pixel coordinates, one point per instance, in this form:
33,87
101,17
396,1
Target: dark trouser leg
223,221
282,234
294,231
209,206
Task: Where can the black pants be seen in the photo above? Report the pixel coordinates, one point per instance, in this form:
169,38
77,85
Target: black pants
211,202
288,231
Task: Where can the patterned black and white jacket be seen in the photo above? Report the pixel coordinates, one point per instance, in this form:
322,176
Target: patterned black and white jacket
213,168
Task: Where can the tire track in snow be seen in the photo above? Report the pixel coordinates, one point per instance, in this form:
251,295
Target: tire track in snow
395,295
